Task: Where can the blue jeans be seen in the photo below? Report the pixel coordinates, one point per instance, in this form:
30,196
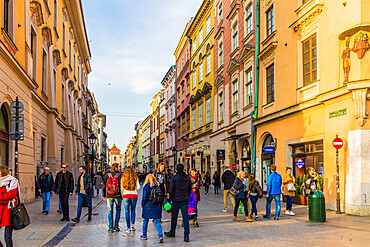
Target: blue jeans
130,212
254,200
157,225
289,203
81,199
216,189
268,205
46,201
110,204
60,205
175,213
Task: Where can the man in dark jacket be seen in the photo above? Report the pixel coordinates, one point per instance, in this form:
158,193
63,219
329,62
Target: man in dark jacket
45,186
84,190
180,189
228,179
113,196
63,186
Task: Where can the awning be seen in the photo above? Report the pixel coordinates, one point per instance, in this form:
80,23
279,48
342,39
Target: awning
235,137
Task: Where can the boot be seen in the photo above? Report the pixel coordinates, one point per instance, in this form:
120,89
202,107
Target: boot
235,219
247,219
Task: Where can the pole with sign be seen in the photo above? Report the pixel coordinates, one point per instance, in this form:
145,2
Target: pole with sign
16,129
338,144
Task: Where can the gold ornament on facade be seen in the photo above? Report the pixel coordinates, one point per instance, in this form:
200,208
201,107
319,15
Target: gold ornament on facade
36,13
346,56
361,45
359,98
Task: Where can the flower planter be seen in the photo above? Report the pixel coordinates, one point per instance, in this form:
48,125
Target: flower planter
300,200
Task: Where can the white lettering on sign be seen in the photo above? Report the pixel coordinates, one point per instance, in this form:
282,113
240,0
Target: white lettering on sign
337,143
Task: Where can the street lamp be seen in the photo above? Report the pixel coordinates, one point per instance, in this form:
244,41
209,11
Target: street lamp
92,139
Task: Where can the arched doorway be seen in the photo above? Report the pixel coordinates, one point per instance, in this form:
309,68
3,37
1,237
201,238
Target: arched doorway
246,157
267,159
4,136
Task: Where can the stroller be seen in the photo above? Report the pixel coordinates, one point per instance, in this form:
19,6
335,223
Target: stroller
192,209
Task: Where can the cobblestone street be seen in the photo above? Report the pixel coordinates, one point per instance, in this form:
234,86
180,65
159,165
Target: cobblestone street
216,228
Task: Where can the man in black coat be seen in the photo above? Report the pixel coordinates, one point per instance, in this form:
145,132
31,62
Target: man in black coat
180,189
228,179
63,187
84,190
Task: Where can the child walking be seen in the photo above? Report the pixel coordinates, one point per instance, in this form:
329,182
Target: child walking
151,211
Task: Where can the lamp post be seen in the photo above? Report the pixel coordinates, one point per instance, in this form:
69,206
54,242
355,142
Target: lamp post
92,139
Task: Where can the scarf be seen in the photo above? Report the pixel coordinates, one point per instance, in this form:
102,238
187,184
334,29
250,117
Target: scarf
11,183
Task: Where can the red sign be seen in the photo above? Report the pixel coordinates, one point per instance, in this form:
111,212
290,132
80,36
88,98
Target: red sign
187,156
338,143
235,166
300,163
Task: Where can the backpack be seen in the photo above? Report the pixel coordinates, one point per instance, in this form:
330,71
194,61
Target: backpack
156,196
112,184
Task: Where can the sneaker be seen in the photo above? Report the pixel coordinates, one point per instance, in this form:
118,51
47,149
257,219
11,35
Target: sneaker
117,229
128,230
46,212
186,239
63,219
291,213
160,240
143,237
266,216
43,211
287,212
110,231
224,210
256,218
133,228
276,218
59,212
76,220
169,235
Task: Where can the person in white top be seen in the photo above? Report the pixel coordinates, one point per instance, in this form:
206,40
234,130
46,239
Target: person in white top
130,186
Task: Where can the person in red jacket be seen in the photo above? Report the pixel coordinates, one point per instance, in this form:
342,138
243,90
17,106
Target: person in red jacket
8,194
195,185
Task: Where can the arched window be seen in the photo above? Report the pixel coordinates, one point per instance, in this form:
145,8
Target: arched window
4,136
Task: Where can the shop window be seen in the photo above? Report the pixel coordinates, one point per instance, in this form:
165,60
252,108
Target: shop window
246,156
309,60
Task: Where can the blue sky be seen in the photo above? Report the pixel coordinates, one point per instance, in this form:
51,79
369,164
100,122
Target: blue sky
132,44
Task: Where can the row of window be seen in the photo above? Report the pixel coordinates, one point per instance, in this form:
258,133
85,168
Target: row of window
201,70
200,114
200,35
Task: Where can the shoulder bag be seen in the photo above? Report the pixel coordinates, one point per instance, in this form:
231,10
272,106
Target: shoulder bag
19,216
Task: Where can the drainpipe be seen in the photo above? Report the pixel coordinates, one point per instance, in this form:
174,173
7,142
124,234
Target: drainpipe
256,84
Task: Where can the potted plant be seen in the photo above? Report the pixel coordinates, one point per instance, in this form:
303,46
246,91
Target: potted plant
299,198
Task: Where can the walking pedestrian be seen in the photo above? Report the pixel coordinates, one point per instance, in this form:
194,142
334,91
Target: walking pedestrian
180,189
216,181
63,187
311,181
112,194
98,182
253,195
240,185
207,182
289,190
45,185
163,179
151,210
9,187
84,190
130,186
274,182
195,186
228,179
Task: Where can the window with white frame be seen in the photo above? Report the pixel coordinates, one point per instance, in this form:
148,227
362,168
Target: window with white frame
8,17
194,78
209,63
220,106
194,45
220,54
208,110
201,72
193,119
235,95
34,53
220,13
248,19
201,36
200,115
248,87
209,24
270,21
235,36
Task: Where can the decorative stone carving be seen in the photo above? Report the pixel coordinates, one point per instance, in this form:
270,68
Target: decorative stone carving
267,4
308,27
361,45
65,14
56,57
47,36
309,91
71,34
37,18
268,58
359,98
64,74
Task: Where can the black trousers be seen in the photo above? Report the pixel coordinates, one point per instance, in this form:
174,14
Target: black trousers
64,201
8,236
245,203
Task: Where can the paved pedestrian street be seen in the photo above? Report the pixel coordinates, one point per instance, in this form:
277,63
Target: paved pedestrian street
216,229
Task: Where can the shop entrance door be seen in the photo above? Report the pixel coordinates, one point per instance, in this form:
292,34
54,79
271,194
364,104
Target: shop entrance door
267,161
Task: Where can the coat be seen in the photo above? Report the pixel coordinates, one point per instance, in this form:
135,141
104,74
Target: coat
240,186
180,188
288,179
45,183
228,179
274,182
150,211
58,183
195,185
5,197
87,184
216,180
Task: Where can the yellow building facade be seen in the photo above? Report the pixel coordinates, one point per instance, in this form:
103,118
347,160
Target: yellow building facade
200,34
313,85
44,60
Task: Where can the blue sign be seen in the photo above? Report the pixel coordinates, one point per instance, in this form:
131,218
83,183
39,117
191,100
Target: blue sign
269,150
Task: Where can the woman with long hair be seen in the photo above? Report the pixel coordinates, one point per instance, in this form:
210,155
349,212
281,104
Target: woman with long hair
240,185
130,186
150,210
195,185
253,194
163,179
9,187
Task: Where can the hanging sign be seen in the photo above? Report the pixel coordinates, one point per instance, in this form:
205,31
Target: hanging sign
220,154
235,166
300,163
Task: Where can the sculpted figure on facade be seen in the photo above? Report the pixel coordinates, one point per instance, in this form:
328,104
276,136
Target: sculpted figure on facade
346,56
361,45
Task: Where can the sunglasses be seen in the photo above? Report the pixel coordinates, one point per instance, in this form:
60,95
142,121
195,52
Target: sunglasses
64,167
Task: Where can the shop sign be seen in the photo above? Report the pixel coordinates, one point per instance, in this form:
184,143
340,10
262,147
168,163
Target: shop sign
300,163
187,156
220,154
338,113
269,150
235,166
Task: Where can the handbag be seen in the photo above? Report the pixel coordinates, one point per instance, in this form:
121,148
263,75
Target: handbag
290,187
19,216
259,191
233,191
